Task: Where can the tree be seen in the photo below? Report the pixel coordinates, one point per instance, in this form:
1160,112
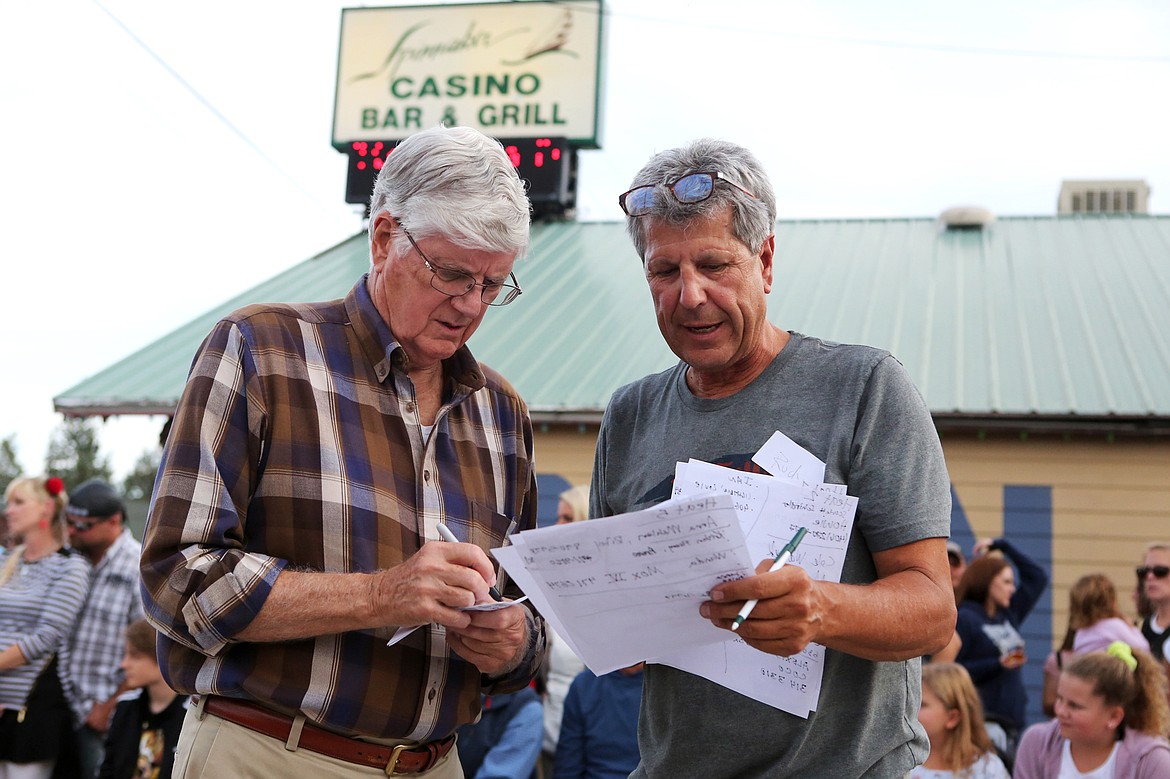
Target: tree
9,467
73,453
140,481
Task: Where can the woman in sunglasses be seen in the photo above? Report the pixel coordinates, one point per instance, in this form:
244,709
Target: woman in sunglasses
1154,582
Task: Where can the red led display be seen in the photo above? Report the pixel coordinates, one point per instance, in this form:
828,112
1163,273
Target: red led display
543,162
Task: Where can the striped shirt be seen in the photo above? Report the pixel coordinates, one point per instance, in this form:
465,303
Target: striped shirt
38,606
99,637
297,443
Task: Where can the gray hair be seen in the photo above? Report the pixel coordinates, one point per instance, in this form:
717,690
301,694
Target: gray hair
753,220
455,183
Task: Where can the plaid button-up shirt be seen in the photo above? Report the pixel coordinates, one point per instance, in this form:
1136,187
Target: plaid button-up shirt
297,443
99,637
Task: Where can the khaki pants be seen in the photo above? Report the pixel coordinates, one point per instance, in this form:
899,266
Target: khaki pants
214,748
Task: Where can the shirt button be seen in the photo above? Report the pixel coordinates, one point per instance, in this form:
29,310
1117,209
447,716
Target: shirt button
431,694
409,408
426,476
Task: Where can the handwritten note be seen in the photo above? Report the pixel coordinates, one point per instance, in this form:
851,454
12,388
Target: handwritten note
785,459
628,587
491,605
771,510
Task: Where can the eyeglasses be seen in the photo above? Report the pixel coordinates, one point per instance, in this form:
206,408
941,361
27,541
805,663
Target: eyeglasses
1159,571
456,283
691,188
82,525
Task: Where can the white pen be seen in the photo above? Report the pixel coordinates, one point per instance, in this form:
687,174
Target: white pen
780,561
446,534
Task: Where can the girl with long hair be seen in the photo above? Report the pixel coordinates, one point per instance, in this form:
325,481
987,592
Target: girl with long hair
993,605
1094,622
1111,721
953,718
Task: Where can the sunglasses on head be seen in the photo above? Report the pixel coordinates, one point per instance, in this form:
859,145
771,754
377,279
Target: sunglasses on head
691,188
1159,571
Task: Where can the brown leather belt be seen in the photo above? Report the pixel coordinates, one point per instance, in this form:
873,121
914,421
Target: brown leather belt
403,759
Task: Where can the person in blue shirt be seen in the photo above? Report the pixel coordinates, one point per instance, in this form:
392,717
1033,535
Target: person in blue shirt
992,607
599,728
505,742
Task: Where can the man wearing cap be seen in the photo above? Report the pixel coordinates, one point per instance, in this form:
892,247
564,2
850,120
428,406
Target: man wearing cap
957,562
97,529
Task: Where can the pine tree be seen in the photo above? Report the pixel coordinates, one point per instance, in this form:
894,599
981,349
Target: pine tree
73,453
9,466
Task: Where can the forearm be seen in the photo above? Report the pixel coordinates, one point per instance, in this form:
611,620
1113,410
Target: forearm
904,615
429,587
11,658
304,604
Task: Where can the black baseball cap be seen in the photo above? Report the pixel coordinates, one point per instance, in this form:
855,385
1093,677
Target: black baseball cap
95,498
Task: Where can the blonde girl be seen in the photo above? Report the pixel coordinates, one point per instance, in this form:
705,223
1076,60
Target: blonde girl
952,716
42,587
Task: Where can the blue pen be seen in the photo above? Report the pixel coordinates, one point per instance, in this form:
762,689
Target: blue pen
780,561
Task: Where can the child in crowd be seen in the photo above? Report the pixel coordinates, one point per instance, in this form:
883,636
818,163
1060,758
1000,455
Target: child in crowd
1094,622
1111,721
953,718
144,730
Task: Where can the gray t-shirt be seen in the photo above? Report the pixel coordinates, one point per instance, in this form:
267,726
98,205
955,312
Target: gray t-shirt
855,408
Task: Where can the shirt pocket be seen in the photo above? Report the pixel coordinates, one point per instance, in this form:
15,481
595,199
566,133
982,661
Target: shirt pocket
488,527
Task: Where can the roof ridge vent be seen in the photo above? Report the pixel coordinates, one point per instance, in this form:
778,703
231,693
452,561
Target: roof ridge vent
966,218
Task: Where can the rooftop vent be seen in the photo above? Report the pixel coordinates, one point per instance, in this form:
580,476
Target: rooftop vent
966,218
1105,196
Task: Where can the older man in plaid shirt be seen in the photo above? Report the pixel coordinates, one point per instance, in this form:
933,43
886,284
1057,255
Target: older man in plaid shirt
314,452
97,529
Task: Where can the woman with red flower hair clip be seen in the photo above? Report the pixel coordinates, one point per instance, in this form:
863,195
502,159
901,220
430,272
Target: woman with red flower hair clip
42,587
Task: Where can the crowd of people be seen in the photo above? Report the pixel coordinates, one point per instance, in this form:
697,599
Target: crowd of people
1105,686
73,640
82,694
336,472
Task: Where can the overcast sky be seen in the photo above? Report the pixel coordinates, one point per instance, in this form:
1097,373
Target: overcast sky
159,157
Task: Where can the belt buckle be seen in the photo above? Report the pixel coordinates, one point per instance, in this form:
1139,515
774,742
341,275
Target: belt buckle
390,766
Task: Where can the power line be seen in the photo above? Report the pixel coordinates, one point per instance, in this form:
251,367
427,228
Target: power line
210,107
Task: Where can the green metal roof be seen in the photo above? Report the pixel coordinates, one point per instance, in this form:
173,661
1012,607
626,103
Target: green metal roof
1054,317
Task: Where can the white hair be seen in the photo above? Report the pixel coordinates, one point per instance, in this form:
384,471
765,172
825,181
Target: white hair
455,183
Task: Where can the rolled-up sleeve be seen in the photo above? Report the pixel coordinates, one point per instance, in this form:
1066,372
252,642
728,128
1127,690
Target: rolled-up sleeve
199,586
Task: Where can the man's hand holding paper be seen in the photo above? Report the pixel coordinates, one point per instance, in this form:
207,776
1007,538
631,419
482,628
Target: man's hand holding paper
784,620
494,641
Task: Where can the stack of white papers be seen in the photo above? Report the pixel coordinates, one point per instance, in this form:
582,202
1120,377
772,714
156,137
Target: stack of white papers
627,588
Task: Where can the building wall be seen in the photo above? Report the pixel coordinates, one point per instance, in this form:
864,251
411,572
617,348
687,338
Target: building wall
1108,500
1077,506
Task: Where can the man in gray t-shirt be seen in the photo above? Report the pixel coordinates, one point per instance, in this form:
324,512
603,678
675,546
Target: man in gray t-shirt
701,219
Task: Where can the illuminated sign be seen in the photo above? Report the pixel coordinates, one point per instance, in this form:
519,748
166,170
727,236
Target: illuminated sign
544,163
511,70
